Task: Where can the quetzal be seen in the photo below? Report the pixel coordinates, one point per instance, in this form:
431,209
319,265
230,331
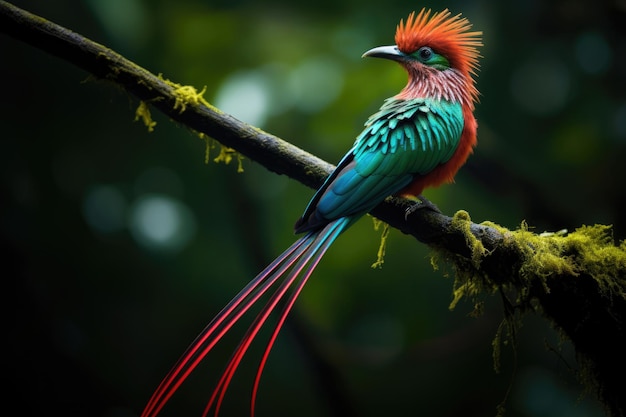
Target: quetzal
418,138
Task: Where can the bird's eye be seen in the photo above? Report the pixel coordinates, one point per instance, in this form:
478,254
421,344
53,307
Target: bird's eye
428,57
425,53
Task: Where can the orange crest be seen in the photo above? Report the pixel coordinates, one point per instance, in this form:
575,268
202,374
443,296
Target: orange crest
447,35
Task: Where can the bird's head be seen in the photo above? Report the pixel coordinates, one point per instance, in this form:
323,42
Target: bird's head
435,48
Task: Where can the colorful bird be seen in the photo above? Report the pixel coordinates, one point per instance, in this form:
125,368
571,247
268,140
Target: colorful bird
418,138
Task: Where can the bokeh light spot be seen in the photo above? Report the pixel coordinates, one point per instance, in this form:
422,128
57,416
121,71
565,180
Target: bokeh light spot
161,223
124,20
246,96
316,83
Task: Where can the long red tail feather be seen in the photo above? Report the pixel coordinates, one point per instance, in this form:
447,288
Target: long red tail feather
283,315
307,250
210,335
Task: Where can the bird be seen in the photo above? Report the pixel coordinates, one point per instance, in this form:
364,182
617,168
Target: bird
418,138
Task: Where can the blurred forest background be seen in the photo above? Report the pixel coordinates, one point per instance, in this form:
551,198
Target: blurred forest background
119,245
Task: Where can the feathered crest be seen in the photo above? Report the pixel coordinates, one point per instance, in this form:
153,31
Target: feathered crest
445,34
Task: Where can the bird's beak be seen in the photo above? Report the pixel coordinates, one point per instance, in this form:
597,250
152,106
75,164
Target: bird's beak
388,52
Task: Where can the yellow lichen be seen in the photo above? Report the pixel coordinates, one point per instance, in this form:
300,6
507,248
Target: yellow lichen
143,113
434,261
468,288
467,278
461,221
188,94
207,146
541,261
227,154
599,257
588,250
380,256
185,95
496,346
544,255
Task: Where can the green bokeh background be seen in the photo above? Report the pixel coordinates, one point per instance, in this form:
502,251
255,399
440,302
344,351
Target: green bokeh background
119,245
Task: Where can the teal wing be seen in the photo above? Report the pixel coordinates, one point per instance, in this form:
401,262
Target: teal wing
403,140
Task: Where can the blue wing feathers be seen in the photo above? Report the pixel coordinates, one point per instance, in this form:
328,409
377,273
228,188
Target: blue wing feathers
377,189
346,182
368,163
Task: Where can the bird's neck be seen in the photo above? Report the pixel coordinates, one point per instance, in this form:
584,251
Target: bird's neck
449,85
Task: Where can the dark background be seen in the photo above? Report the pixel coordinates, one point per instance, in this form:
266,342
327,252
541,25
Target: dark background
119,245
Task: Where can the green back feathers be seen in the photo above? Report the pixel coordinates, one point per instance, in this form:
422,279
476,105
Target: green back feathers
409,136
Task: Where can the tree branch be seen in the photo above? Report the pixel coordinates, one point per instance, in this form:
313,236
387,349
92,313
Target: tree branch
577,281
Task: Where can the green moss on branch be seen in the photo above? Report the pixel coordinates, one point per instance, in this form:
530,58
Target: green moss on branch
576,280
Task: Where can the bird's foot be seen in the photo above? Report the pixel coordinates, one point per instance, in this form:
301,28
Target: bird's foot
420,203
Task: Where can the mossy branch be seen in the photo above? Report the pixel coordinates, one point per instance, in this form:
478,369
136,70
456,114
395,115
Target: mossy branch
576,280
